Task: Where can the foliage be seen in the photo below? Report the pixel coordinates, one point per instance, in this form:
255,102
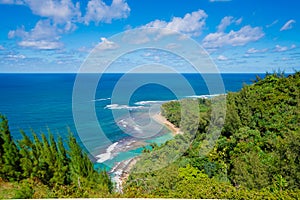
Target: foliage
44,164
9,160
255,157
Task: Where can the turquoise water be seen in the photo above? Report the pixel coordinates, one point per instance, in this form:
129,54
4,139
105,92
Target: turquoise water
42,101
161,139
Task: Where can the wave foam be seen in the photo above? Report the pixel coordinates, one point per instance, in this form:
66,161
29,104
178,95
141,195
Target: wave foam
118,107
108,155
143,103
130,127
205,96
102,99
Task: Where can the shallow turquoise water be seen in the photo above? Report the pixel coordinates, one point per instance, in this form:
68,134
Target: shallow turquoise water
42,101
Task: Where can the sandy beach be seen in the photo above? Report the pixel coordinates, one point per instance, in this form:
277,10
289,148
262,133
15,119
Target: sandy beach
121,172
122,169
162,120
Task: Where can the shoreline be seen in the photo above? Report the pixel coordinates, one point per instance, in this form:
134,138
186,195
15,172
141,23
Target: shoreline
122,169
120,146
162,120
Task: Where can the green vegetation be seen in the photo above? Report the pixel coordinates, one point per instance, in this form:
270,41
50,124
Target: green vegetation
257,155
43,168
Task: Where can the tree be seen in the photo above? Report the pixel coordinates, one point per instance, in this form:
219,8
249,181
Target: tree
80,165
256,156
26,160
61,173
36,154
10,158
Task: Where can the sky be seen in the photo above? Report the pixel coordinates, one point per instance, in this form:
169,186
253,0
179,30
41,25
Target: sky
241,36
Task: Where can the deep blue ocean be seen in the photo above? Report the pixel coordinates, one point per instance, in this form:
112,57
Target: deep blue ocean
40,102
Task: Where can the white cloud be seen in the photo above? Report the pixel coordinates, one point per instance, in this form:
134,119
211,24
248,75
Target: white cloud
147,54
84,49
69,27
222,58
234,38
272,24
191,24
17,2
41,44
293,46
253,50
279,48
97,11
288,25
156,58
105,44
44,36
285,59
15,56
172,46
1,47
65,11
226,21
60,11
60,17
43,29
238,21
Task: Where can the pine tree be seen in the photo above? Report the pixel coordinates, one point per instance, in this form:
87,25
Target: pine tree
10,158
82,171
3,131
80,164
53,146
52,157
26,160
61,172
45,172
76,160
36,154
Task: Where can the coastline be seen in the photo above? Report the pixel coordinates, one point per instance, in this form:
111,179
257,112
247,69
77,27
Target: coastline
121,172
120,146
122,169
162,120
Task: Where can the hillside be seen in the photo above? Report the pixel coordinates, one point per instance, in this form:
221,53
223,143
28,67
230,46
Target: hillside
256,155
42,167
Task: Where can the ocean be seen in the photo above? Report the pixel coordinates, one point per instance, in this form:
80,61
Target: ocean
42,102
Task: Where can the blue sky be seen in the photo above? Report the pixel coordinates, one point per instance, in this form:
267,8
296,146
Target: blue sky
240,35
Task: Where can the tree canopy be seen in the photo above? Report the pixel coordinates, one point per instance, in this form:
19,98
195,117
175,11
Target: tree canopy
45,162
256,156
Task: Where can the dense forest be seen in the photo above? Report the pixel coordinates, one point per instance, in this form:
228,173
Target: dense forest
256,155
41,167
